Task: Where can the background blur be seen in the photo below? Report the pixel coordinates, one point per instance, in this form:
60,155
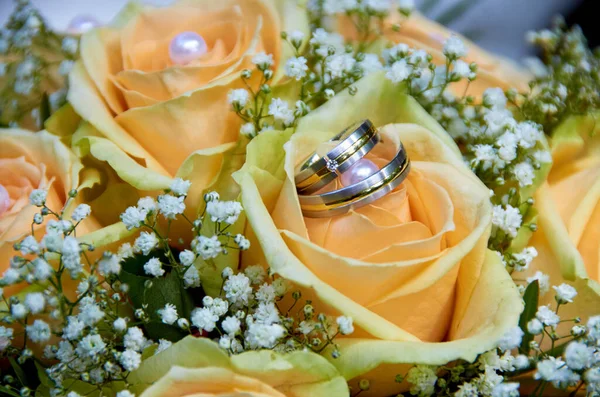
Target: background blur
496,25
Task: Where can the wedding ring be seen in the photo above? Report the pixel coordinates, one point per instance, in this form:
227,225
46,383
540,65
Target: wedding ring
317,171
351,197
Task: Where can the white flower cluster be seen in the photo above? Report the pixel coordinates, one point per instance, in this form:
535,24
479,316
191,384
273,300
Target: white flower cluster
29,69
247,317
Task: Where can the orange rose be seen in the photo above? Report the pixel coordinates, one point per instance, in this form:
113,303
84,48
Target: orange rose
31,161
412,269
144,114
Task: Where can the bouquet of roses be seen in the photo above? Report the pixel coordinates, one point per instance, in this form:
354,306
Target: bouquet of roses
295,198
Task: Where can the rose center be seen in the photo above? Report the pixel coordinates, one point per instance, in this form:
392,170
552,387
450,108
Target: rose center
4,200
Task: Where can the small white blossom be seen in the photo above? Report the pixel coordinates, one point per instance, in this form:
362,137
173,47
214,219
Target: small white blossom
462,69
163,345
370,64
183,323
73,329
262,336
399,71
168,314
543,281
109,264
134,339
133,218
29,245
578,355
37,197
506,390
35,302
511,339
81,212
248,130
154,268
91,346
224,211
130,360
90,313
262,60
509,220
542,156
565,293
120,324
231,325
147,205
524,173
535,326
39,331
494,98
266,313
296,37
70,45
296,68
454,47
423,379
345,325
146,242
125,251
10,276
126,393
6,335
218,306
171,206
339,64
237,289
524,258
547,316
207,247
256,274
204,319
180,187
18,310
191,277
238,97
265,293
279,109
42,270
593,326
187,257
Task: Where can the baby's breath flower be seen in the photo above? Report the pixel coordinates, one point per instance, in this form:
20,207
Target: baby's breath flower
511,339
163,345
345,325
154,268
565,293
524,173
524,258
204,319
262,336
170,206
507,219
231,325
109,264
130,360
542,279
256,274
120,324
37,197
262,60
39,331
6,335
296,68
237,289
208,247
423,379
74,328
133,218
81,212
146,242
35,302
191,277
134,339
248,130
238,97
147,205
223,211
180,187
454,47
279,109
547,316
399,71
91,346
578,355
168,314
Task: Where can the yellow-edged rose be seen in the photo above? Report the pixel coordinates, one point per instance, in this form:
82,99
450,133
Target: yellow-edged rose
411,269
568,207
199,367
422,33
143,114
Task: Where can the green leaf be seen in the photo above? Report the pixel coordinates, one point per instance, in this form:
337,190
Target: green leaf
8,391
167,289
18,371
44,109
531,297
43,377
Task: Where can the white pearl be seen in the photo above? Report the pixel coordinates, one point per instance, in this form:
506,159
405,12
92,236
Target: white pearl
359,171
4,200
187,46
82,23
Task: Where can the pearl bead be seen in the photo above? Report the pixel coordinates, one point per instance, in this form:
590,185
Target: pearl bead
4,200
82,23
187,46
359,171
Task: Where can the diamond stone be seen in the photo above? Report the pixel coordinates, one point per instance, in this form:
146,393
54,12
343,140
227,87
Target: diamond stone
331,165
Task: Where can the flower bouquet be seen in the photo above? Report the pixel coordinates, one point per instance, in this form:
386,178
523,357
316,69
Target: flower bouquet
295,198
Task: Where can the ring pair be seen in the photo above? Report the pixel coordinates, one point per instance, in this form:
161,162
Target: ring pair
316,172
